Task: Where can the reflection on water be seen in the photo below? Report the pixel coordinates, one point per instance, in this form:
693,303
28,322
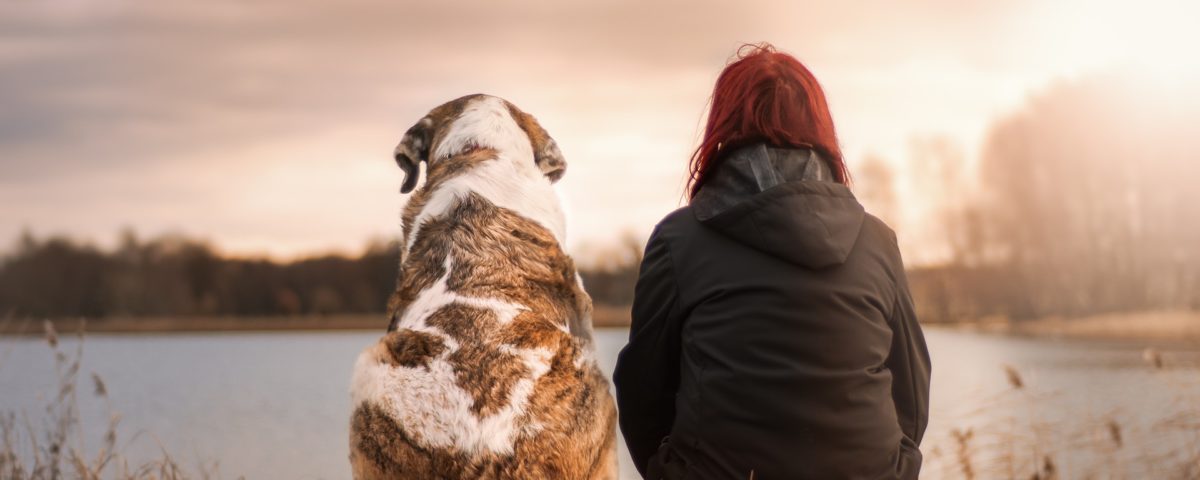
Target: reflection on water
275,405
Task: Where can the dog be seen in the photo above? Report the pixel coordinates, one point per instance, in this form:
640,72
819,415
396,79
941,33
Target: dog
487,370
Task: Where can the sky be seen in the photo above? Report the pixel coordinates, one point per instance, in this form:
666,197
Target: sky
267,127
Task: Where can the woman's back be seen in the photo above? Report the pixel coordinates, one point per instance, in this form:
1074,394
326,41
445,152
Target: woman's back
786,301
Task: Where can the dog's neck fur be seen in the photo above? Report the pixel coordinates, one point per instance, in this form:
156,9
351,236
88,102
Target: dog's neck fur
509,179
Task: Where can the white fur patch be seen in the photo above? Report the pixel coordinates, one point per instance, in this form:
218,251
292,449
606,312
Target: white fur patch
511,180
485,122
437,296
428,402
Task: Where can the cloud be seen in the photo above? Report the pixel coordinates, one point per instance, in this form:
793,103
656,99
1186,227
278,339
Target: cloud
165,115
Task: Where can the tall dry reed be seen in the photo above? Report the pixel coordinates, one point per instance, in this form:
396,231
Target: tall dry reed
52,446
1025,443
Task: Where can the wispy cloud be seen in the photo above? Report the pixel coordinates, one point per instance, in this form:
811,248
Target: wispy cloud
267,125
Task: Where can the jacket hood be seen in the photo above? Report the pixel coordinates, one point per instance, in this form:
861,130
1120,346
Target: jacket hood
782,201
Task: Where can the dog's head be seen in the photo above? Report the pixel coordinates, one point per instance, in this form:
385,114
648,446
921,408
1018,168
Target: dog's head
474,122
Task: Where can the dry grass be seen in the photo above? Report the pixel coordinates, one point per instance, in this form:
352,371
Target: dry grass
53,446
1021,443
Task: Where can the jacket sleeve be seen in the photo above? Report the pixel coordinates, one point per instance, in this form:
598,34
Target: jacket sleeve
910,367
647,372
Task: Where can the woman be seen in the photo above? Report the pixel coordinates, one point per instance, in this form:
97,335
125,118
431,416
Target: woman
773,333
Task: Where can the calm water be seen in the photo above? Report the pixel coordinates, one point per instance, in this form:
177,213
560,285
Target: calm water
275,405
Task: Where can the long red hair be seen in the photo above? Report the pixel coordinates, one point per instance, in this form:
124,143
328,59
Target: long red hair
766,96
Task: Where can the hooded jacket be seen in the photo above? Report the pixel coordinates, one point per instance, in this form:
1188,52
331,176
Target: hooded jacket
773,335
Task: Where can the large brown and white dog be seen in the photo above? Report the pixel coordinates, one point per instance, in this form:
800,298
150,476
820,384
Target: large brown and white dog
488,368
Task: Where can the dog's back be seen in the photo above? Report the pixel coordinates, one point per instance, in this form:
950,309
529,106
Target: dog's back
488,369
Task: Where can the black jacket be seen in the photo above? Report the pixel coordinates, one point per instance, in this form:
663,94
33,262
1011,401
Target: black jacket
773,333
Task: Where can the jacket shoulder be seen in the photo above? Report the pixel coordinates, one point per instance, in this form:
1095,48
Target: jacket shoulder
876,235
873,225
676,223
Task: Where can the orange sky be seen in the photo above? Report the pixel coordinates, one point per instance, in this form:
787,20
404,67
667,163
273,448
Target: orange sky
268,128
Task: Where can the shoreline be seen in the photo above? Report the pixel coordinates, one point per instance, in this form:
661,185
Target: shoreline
1172,327
602,317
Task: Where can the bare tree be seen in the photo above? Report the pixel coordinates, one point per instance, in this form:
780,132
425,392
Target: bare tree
875,185
1090,197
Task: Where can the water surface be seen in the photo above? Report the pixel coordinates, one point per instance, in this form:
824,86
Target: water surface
275,405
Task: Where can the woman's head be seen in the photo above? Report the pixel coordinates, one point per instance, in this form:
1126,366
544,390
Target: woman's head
766,96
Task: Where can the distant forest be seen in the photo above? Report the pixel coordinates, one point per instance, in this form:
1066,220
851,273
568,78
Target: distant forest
1083,202
175,276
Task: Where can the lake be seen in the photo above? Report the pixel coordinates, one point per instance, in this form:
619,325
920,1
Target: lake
275,405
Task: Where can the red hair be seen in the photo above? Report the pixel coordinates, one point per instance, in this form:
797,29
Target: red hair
766,96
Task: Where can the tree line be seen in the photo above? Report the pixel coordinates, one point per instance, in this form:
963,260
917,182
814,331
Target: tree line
1084,202
58,277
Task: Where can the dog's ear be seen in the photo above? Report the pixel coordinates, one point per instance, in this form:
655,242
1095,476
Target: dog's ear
545,150
412,150
549,159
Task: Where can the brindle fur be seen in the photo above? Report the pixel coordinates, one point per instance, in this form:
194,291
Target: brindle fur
499,255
